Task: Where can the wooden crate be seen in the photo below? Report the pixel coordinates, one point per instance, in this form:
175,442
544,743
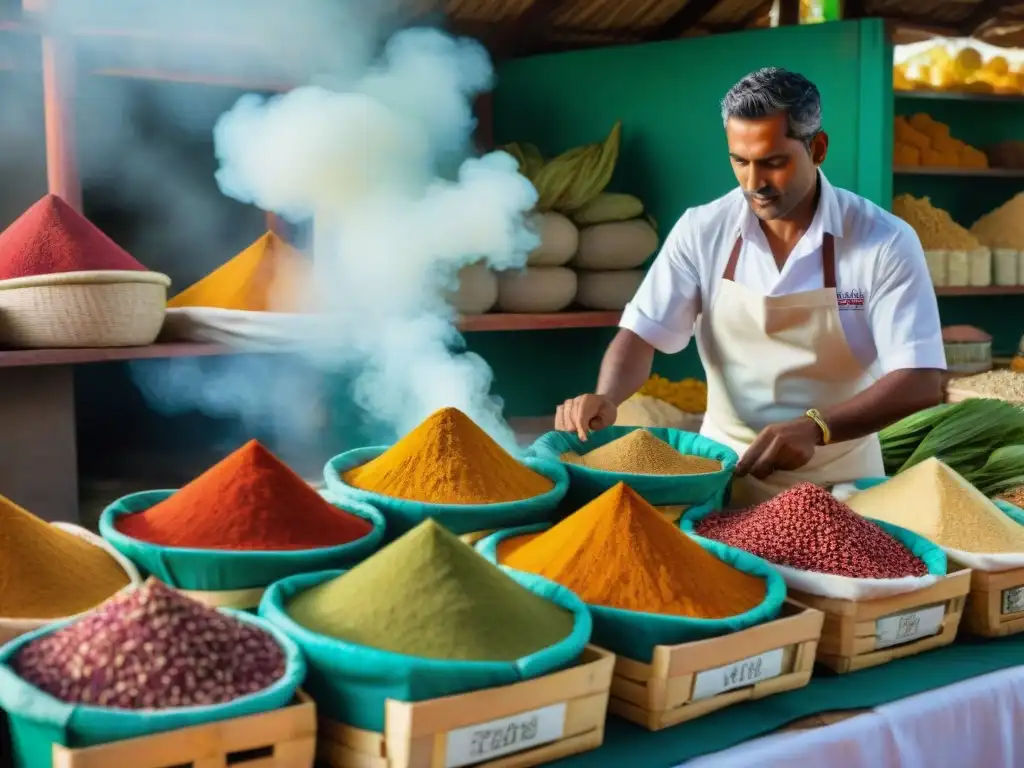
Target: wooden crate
858,635
995,604
541,720
690,680
284,738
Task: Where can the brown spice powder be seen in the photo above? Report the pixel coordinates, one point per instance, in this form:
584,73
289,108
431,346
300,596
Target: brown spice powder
640,452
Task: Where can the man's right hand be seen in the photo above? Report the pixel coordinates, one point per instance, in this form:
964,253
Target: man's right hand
584,414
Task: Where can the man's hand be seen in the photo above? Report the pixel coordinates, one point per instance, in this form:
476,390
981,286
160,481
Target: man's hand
586,413
786,446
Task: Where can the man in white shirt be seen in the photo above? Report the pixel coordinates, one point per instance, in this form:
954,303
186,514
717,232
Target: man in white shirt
812,308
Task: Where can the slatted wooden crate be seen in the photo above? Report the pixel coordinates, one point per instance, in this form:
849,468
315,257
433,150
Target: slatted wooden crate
858,635
284,738
514,726
687,681
995,604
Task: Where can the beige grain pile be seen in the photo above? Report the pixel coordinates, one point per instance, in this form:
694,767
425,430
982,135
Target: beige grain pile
934,226
642,453
1015,496
935,501
1003,227
1001,384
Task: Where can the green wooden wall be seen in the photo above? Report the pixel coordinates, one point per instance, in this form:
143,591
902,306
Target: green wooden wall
674,153
979,123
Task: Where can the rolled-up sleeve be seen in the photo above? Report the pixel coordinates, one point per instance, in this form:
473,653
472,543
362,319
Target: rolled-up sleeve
903,311
668,301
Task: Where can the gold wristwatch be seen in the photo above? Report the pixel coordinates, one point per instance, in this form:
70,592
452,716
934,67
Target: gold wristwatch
815,415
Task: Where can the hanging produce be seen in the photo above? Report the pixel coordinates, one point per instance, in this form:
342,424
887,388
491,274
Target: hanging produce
957,65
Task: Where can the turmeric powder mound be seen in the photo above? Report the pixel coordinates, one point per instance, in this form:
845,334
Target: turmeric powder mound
268,276
934,226
620,552
642,453
448,459
48,573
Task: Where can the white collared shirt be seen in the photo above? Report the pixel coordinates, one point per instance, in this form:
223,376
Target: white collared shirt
886,300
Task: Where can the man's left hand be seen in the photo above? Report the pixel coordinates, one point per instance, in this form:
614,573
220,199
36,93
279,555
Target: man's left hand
788,446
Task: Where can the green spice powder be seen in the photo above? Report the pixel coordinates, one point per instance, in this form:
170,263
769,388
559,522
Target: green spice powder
430,595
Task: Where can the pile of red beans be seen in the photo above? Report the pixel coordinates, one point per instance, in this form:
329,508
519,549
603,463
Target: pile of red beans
806,527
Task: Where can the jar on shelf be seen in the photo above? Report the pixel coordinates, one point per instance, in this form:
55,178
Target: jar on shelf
958,271
1006,267
937,262
968,349
979,267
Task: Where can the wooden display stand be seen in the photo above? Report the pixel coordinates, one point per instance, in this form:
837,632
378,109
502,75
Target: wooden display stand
687,681
284,738
863,634
514,726
995,604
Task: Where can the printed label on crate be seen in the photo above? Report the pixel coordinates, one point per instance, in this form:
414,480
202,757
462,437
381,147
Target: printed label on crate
739,674
1013,600
485,741
909,626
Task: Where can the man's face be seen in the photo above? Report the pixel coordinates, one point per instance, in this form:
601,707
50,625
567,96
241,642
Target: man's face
775,171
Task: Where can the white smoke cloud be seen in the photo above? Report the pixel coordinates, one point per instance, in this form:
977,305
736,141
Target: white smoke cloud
391,233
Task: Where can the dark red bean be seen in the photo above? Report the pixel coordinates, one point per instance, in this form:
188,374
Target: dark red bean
806,527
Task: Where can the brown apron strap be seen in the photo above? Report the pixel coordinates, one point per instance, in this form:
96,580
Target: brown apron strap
734,258
828,260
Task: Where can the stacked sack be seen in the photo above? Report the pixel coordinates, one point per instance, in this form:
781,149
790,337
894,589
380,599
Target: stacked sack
591,241
922,140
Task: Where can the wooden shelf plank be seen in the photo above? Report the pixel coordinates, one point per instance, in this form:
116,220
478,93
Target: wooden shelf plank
988,290
18,358
991,173
1005,98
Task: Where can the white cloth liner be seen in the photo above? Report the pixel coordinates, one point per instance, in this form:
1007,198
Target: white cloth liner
971,723
270,330
12,628
846,588
979,561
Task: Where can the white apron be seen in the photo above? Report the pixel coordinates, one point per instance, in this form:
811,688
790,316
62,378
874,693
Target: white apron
771,358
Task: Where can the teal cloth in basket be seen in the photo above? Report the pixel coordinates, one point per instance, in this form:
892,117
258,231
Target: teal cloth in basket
634,634
37,720
586,484
220,569
930,553
351,683
629,745
403,515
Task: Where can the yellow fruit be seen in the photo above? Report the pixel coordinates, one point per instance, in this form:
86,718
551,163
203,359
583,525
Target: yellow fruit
967,62
997,65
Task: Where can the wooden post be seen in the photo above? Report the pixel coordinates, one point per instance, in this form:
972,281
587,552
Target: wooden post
785,13
59,112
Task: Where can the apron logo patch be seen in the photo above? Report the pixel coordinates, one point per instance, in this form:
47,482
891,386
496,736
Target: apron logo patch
850,299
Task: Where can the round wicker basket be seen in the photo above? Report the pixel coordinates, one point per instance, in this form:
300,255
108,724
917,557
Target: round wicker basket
82,309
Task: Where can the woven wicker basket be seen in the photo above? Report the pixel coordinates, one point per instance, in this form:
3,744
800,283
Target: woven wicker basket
83,309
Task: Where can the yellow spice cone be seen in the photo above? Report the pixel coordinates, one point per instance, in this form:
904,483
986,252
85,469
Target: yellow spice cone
268,276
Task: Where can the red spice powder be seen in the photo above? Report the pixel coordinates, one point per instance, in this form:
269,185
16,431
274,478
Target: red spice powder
52,237
248,501
806,527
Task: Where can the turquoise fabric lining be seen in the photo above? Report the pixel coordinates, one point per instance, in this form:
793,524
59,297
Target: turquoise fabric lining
351,683
403,515
219,569
634,634
586,484
37,720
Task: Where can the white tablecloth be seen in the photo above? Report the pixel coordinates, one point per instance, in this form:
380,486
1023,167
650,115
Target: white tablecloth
978,723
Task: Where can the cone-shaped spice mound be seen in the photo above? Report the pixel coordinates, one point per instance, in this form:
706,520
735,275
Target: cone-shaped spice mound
619,551
430,595
448,459
51,237
152,648
268,276
47,573
250,500
642,453
935,501
806,527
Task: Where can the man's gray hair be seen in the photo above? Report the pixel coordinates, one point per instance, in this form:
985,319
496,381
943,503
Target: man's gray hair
772,90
